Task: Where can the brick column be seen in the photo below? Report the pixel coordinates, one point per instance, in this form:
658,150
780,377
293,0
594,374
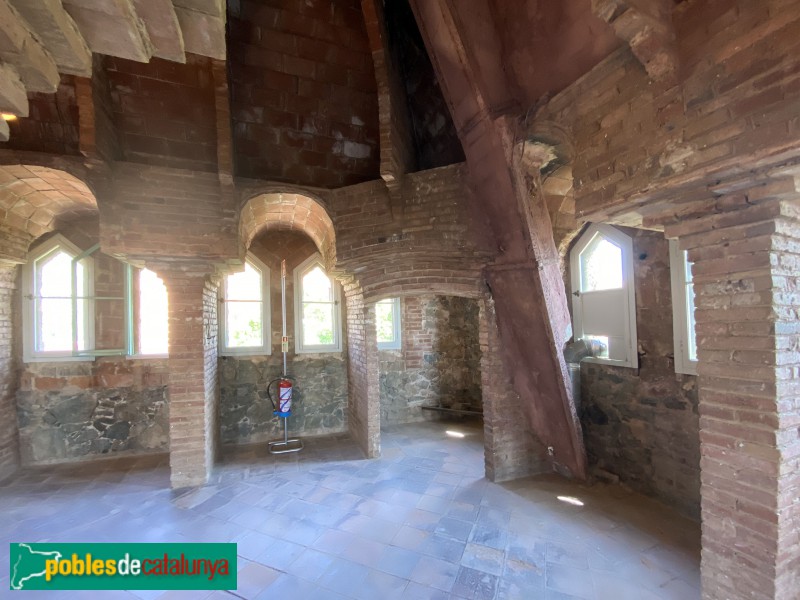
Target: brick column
193,386
9,438
363,384
510,448
747,277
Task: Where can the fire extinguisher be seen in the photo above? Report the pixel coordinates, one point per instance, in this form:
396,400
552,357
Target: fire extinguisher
283,406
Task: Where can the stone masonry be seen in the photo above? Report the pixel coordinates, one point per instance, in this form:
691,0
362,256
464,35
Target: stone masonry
438,364
641,425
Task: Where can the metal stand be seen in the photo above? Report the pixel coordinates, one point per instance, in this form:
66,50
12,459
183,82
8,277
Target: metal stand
285,445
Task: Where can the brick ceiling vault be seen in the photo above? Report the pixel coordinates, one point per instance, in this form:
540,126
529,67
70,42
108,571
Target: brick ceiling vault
289,211
33,199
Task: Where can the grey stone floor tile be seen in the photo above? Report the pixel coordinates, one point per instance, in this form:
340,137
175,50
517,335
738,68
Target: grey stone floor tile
343,577
454,528
364,552
417,591
380,585
419,522
474,584
483,558
443,547
280,554
570,580
398,561
253,579
289,587
435,573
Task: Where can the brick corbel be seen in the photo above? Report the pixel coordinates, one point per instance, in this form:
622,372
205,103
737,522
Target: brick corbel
646,25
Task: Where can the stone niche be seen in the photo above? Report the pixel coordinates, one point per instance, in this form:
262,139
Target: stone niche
320,392
642,425
71,411
438,363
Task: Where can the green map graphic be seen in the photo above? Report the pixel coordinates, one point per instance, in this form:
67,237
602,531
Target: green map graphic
27,564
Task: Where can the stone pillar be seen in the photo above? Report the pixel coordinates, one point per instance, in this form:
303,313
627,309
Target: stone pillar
510,448
193,385
747,284
363,384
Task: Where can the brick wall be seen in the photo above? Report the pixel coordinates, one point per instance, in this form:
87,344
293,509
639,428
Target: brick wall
9,443
164,111
426,247
438,363
303,98
147,205
320,391
97,132
51,124
363,388
642,424
640,147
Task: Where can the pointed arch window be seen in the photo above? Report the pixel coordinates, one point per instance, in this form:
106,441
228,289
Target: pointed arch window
317,308
81,304
246,310
603,294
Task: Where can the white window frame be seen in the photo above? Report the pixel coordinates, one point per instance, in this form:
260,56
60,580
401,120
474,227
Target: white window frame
30,323
299,272
624,242
679,267
397,342
265,349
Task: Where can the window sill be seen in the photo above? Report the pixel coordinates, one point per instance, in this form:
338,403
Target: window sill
147,356
52,359
686,369
309,352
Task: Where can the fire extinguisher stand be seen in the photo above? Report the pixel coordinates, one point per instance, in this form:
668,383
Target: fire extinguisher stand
283,409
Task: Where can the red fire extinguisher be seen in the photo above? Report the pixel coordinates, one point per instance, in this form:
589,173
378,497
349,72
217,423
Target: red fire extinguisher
284,395
283,406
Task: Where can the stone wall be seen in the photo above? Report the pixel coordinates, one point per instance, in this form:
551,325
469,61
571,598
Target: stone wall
642,424
77,410
319,397
320,393
438,364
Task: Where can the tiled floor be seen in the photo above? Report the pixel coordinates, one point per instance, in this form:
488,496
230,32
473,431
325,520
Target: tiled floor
421,522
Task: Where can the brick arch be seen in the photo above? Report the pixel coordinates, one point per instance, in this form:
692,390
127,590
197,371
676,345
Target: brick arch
289,210
33,198
408,285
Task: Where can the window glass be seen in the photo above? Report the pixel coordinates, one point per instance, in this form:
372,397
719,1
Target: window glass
384,320
153,314
317,286
244,320
316,303
601,266
54,303
691,342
